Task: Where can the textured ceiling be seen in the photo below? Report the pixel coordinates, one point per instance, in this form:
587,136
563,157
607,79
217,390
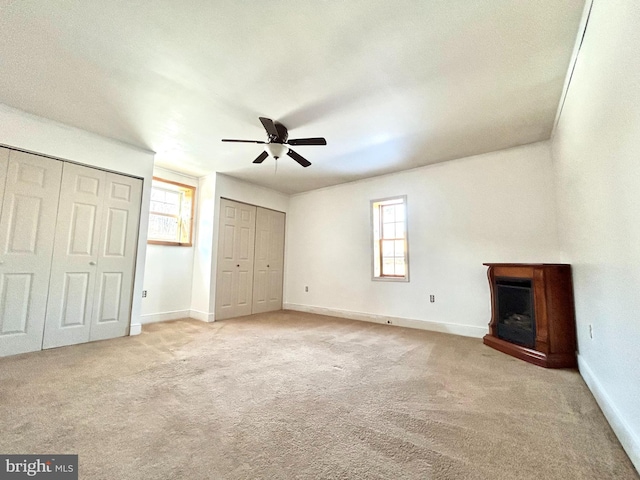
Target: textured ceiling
391,84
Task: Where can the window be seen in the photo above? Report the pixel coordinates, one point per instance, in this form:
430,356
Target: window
390,246
171,213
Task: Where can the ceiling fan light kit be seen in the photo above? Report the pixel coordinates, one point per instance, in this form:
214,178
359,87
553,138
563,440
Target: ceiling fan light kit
277,150
278,142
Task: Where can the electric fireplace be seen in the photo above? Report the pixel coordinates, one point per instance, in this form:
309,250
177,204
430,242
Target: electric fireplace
532,313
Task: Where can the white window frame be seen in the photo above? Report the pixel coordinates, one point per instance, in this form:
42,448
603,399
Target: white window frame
184,216
376,257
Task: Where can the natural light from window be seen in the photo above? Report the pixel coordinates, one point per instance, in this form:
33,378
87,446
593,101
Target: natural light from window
171,213
390,246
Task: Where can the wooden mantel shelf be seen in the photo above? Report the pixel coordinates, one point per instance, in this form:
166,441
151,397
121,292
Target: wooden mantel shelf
527,265
555,331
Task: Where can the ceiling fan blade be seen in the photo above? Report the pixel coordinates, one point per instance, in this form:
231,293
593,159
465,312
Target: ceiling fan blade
261,157
299,158
269,126
307,141
242,141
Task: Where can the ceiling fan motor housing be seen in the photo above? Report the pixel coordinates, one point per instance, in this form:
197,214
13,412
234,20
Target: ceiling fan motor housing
283,134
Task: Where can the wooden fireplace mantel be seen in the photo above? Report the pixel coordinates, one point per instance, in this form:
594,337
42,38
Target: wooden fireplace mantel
555,339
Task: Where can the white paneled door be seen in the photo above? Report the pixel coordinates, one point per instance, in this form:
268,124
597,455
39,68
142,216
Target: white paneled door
94,257
269,261
234,278
27,222
75,256
116,257
68,237
250,260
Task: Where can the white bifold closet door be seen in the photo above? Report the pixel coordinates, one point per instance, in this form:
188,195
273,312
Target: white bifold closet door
93,259
116,257
234,278
29,190
269,261
250,260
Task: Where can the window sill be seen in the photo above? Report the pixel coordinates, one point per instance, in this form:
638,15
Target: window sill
168,244
391,279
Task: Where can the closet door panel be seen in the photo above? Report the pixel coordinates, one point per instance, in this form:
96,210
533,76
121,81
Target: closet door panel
27,226
75,256
269,261
261,274
234,278
243,298
116,257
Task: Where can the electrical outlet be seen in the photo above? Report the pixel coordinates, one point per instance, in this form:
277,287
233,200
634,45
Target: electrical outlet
144,294
591,331
306,288
432,298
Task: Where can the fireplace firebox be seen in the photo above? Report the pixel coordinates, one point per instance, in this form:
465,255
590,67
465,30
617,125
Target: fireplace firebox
532,313
516,320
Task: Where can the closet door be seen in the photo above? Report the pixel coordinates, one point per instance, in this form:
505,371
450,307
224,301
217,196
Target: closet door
27,223
75,256
116,257
269,261
234,278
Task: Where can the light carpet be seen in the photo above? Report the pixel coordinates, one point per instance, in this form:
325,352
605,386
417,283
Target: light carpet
292,395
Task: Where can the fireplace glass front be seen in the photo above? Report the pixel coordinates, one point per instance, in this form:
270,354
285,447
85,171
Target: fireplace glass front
516,316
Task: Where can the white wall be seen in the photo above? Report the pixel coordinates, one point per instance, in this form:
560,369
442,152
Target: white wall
168,270
498,207
212,188
34,134
203,254
234,189
596,152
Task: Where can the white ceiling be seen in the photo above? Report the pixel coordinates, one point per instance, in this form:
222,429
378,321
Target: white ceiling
391,84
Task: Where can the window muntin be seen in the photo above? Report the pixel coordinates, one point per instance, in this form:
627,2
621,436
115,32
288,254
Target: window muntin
390,247
171,213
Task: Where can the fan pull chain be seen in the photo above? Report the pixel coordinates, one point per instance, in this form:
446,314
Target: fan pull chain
276,163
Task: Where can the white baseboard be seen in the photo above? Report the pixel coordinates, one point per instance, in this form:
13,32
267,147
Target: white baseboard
202,316
135,329
628,439
463,330
164,316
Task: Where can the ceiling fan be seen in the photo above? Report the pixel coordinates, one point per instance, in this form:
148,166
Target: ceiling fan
278,143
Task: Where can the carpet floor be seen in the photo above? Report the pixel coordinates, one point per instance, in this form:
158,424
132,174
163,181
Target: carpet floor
292,395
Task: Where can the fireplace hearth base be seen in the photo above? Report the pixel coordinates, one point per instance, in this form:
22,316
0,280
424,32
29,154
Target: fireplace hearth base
551,309
552,360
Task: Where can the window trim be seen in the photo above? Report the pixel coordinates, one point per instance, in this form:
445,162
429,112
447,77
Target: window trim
191,220
373,240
